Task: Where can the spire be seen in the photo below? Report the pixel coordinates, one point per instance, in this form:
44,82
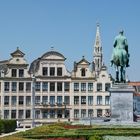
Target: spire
97,52
97,43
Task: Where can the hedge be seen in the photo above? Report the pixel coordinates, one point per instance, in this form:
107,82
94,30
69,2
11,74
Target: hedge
7,126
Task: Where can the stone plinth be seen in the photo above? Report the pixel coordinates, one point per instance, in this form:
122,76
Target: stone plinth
122,102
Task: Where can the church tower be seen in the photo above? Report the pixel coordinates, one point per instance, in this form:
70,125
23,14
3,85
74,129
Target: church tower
97,52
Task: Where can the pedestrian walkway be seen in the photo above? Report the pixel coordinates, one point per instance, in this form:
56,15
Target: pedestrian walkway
17,131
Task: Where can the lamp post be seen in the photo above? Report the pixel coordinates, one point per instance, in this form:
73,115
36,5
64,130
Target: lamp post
33,101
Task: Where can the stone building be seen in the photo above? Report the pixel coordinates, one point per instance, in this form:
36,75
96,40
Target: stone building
60,95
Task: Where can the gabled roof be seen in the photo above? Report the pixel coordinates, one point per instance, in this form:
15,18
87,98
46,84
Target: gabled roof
17,53
83,60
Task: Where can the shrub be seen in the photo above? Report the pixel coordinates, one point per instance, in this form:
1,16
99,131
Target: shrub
95,137
7,126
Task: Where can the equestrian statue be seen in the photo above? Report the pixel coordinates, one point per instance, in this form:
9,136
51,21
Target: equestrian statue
120,57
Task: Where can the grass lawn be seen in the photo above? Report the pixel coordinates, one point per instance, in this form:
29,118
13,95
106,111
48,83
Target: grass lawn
64,131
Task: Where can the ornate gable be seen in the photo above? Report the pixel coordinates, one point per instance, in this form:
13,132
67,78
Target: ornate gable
83,62
17,53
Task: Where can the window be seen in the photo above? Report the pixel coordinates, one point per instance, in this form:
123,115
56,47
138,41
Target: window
28,100
28,86
59,113
45,71
52,86
6,114
83,99
45,86
99,112
76,113
90,86
13,114
107,86
59,86
37,100
66,86
21,100
90,113
52,113
37,114
52,71
14,100
90,100
37,86
14,72
83,86
107,100
83,72
0,86
21,86
21,72
28,114
59,100
59,71
52,100
20,114
76,86
6,86
67,100
99,100
45,114
14,86
83,113
6,100
76,100
45,99
67,113
99,86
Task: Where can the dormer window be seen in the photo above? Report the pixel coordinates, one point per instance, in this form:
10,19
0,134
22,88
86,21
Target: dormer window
83,72
14,72
45,71
59,71
21,72
52,71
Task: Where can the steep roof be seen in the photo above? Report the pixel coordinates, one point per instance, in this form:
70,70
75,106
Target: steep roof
50,53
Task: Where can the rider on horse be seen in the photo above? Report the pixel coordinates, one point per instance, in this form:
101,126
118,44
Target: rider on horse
120,55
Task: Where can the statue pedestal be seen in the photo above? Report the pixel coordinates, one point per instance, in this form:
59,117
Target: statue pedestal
121,102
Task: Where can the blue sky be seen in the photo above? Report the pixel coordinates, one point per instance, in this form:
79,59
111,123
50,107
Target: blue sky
69,26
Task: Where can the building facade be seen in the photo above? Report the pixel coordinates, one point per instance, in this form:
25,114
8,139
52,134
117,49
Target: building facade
45,91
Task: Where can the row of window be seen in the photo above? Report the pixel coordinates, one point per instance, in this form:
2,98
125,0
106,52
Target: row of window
26,86
38,114
55,100
89,113
22,86
89,101
20,114
59,100
60,113
17,72
90,87
52,71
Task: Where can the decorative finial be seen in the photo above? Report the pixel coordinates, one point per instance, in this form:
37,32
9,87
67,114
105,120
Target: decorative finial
52,47
83,57
17,48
